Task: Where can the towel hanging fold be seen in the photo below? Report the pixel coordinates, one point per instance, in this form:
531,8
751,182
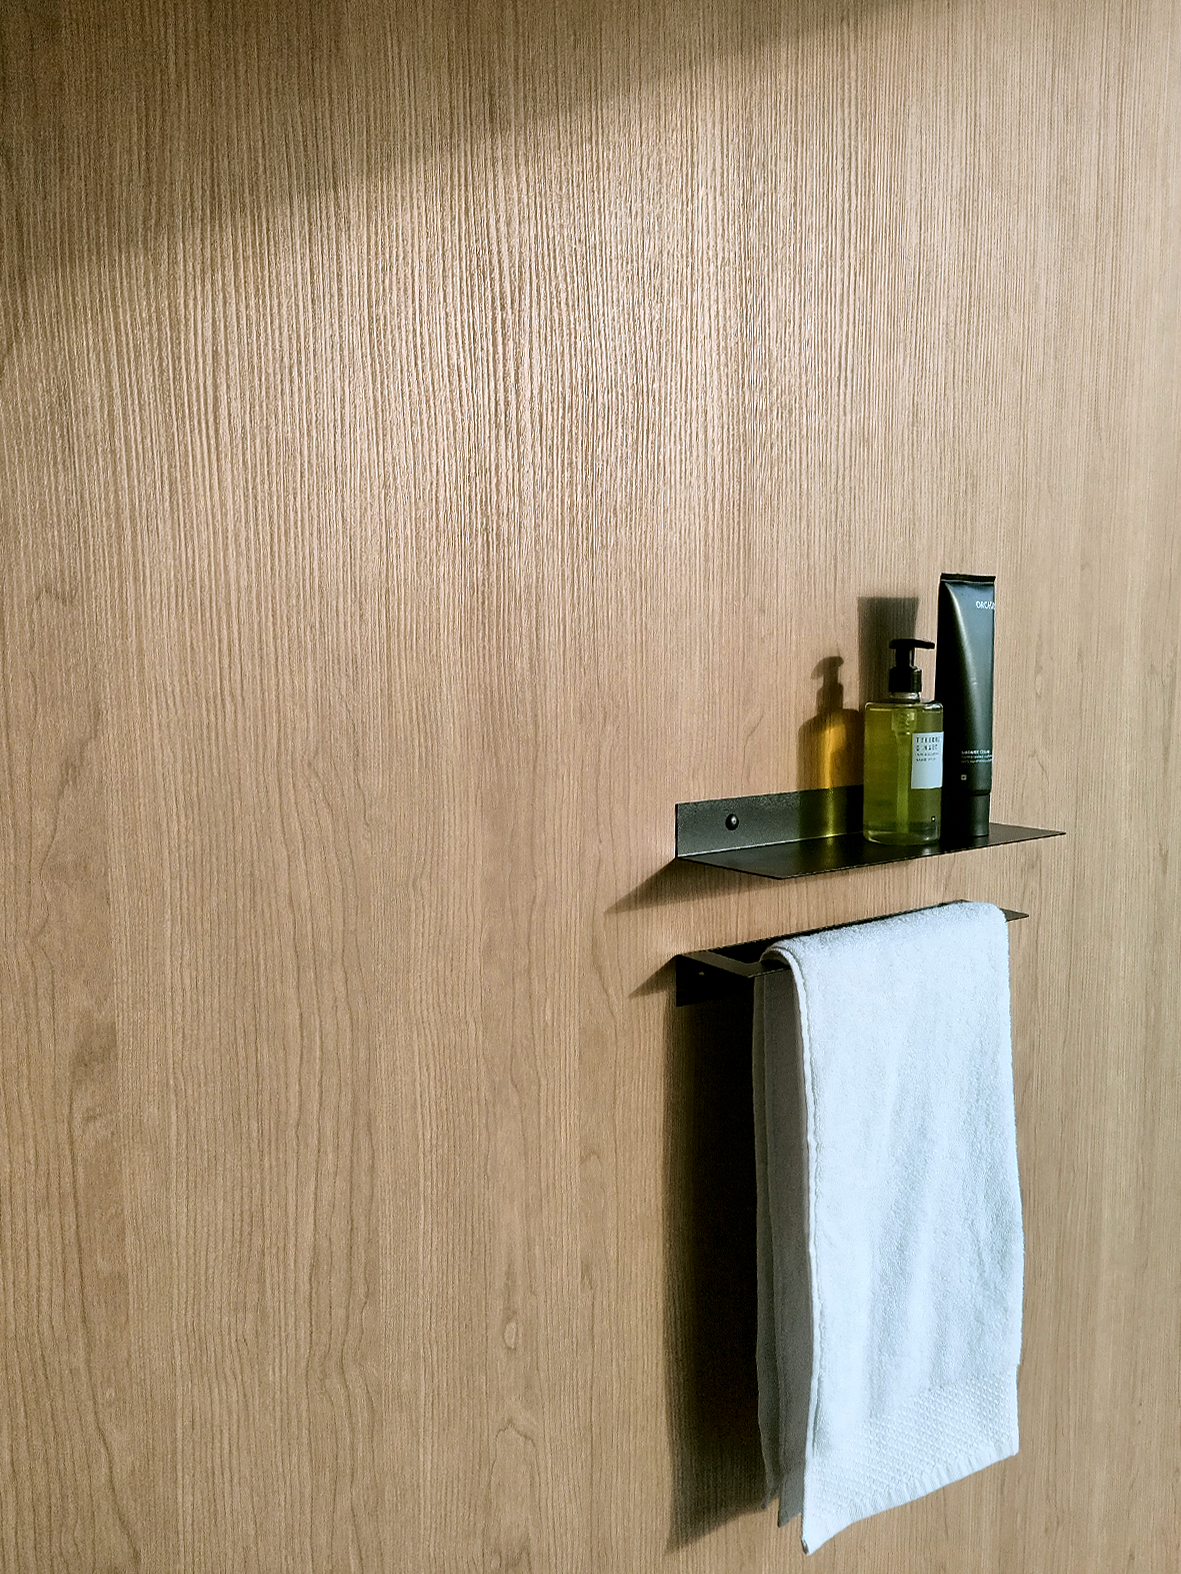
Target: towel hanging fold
889,1215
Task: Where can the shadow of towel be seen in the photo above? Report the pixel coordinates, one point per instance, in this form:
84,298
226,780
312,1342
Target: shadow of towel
712,1301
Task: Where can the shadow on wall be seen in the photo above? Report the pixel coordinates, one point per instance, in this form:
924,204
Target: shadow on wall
215,117
829,743
711,1304
879,620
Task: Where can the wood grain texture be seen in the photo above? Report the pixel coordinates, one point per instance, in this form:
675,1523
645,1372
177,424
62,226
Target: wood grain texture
433,441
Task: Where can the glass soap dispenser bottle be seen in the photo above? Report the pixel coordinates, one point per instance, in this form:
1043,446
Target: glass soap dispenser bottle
903,757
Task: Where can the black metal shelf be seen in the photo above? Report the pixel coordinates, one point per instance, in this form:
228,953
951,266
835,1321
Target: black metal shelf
785,835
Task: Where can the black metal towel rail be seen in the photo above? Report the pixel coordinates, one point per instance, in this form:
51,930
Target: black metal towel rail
732,969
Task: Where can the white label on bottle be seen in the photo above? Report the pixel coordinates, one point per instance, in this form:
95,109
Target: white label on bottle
926,760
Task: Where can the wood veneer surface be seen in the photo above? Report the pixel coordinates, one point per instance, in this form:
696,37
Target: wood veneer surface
433,441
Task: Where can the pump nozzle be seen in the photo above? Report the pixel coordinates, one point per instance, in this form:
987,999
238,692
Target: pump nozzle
905,677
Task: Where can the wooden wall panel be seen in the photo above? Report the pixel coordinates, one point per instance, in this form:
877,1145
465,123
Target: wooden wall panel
434,441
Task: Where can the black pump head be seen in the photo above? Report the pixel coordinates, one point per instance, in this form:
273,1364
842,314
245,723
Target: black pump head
905,677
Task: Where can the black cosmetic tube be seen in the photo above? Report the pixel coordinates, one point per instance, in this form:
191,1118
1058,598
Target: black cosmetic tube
963,686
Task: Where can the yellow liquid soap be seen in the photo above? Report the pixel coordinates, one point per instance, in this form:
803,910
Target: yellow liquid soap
903,777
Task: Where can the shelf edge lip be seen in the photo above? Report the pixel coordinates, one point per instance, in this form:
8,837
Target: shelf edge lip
757,820
1030,833
738,858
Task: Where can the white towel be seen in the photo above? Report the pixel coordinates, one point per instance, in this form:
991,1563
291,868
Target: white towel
889,1219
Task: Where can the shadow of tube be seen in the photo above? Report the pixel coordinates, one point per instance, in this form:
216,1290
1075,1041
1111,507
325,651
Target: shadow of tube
879,620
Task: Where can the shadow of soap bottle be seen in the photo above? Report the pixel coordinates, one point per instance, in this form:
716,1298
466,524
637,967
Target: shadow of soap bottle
829,743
